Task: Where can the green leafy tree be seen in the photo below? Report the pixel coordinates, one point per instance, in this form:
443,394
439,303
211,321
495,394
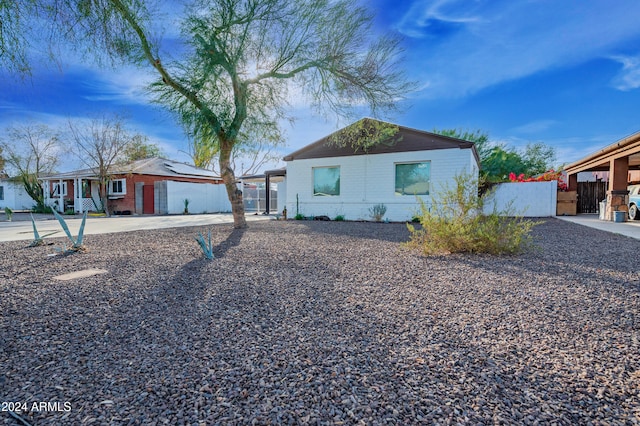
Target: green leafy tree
478,137
139,149
31,150
239,60
538,158
498,160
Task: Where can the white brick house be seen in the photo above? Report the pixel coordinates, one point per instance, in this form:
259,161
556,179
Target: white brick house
331,181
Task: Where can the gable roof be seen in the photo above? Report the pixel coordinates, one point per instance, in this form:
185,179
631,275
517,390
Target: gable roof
411,140
155,166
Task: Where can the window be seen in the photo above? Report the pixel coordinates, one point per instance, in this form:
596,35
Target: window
118,187
413,178
56,189
326,181
1,193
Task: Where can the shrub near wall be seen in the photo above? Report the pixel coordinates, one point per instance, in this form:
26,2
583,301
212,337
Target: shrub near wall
455,223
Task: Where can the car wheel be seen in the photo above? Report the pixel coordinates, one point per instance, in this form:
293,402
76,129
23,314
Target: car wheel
633,212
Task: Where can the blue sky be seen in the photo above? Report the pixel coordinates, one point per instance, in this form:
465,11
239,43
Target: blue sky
566,73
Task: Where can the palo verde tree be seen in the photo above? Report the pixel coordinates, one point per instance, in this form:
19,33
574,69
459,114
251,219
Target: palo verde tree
239,61
100,144
245,57
31,150
253,151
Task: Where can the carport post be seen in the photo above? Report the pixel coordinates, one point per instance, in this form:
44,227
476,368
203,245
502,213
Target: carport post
572,184
267,193
617,195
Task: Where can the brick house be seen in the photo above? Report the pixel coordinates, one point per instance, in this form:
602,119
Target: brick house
149,186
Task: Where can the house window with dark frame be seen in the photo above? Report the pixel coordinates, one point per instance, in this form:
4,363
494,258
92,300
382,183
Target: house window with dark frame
118,187
56,189
1,193
413,178
326,181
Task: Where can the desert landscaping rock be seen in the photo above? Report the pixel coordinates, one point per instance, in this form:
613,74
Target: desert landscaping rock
322,323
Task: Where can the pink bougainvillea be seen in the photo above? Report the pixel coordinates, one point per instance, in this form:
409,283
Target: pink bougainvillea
545,177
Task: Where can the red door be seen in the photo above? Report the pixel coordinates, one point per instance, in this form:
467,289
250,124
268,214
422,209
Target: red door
147,199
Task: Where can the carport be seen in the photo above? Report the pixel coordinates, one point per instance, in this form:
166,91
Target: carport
617,159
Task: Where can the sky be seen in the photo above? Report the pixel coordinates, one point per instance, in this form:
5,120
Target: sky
564,73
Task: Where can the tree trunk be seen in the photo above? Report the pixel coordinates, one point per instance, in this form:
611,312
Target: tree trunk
104,197
229,179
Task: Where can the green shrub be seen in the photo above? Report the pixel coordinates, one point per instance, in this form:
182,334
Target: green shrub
455,223
299,216
9,213
41,209
339,218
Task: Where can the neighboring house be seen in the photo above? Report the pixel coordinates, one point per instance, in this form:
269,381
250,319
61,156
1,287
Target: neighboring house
327,180
13,195
149,186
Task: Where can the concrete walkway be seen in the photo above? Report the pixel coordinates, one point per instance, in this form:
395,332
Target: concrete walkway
629,229
21,228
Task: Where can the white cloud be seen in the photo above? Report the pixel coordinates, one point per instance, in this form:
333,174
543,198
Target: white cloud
629,76
504,40
535,126
125,85
422,13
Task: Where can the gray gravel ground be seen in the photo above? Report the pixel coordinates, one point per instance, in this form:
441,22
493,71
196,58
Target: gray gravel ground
322,323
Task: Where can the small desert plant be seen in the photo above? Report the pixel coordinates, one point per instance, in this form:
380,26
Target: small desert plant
339,218
76,243
186,206
207,248
38,240
377,212
9,213
455,223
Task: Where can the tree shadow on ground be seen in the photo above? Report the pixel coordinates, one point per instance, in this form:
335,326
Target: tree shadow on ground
232,240
391,232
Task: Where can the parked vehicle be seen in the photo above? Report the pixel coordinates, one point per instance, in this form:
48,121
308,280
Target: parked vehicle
634,202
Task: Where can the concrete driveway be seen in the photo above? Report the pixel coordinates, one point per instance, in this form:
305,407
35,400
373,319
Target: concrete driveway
630,228
21,229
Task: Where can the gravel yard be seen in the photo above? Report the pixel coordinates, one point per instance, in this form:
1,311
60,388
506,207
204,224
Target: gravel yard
321,323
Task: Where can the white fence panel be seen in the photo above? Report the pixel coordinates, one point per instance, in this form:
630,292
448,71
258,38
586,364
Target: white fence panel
529,199
203,197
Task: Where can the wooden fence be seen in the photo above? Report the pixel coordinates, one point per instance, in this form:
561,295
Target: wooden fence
589,196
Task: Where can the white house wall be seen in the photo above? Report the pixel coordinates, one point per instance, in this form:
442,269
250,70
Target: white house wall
203,197
367,180
15,197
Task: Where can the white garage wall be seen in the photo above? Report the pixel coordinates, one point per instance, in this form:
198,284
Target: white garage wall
367,180
15,197
529,199
203,197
